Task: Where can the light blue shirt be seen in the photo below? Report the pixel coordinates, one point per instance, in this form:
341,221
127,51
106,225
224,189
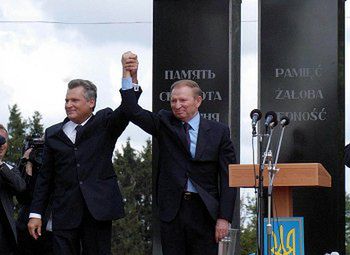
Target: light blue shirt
193,130
127,84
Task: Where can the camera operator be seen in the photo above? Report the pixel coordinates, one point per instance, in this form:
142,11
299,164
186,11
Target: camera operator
11,183
29,166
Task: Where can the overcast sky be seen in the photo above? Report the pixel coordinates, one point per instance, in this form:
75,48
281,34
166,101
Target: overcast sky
37,60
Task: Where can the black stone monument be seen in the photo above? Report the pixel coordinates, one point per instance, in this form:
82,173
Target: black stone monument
302,77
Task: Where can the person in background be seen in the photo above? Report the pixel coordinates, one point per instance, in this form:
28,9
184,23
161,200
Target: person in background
11,184
29,167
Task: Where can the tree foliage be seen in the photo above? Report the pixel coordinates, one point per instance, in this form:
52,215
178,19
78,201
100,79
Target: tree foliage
248,225
17,131
132,235
35,125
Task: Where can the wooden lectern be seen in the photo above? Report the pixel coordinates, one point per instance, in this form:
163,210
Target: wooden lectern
289,175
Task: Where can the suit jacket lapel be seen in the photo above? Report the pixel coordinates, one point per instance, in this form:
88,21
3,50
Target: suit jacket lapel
84,130
203,133
61,135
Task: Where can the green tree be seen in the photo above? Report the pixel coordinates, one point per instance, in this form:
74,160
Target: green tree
35,125
347,223
17,130
248,225
132,234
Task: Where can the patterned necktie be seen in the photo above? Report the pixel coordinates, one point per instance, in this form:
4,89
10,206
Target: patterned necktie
187,132
188,138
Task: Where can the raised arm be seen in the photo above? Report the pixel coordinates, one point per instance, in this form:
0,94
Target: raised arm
146,120
118,120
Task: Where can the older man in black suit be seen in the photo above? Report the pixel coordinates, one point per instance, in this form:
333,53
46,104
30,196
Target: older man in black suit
10,183
78,171
195,201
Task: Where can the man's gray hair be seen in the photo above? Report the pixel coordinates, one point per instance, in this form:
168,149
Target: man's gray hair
189,83
89,87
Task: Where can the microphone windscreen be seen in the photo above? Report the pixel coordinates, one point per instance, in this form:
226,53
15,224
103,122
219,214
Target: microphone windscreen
284,121
256,111
273,114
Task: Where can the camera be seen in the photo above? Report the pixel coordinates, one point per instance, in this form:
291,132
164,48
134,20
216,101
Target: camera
36,142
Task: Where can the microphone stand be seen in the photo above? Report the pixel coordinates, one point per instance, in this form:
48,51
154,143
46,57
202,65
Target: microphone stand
257,177
272,173
260,203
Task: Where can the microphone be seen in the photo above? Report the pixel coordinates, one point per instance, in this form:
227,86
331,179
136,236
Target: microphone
255,115
2,140
284,121
271,117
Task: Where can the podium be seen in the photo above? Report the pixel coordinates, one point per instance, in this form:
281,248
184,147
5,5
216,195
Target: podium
289,176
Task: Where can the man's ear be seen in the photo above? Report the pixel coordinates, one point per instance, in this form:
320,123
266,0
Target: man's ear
92,103
199,100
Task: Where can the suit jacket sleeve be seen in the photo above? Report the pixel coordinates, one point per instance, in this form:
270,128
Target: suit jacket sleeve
227,195
44,183
146,120
118,121
11,178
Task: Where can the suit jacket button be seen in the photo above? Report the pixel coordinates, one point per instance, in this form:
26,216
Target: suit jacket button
75,148
78,165
80,182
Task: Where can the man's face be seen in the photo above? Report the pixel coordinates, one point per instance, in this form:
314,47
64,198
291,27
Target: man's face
3,147
78,109
184,103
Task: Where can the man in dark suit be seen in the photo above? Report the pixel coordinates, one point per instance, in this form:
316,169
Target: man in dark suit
10,183
78,171
195,201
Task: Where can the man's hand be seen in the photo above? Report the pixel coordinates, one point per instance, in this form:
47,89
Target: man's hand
27,153
29,165
29,168
130,66
34,227
221,229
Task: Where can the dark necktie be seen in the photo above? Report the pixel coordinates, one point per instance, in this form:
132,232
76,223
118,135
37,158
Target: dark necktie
188,138
187,132
78,134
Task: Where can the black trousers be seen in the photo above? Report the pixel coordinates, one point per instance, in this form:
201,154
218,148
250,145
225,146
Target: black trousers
7,238
192,232
92,237
27,245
